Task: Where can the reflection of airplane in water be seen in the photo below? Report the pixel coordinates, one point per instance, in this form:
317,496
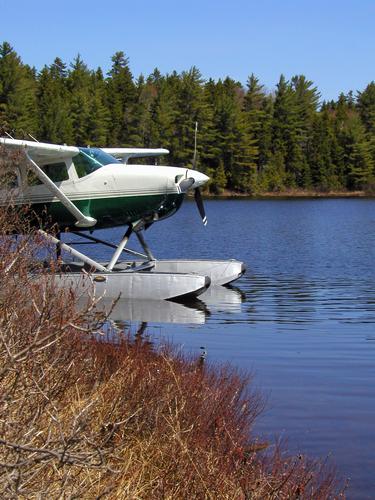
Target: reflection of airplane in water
194,312
223,299
152,311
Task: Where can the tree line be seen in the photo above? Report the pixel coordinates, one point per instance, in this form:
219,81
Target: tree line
249,139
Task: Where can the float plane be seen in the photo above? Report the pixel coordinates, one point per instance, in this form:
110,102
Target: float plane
83,189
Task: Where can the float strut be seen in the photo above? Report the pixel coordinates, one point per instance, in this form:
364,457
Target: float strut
107,244
120,249
144,245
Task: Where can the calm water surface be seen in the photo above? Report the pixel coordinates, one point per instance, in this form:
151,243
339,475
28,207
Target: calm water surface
302,318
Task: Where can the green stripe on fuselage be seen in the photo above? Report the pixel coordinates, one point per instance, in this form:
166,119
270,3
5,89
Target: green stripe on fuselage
116,211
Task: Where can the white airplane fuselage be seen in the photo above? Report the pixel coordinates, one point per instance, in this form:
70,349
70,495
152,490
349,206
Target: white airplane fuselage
114,194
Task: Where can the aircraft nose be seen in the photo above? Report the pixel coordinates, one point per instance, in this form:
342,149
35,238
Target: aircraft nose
199,178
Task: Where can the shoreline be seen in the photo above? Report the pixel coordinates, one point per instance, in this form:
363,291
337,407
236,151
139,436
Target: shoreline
289,194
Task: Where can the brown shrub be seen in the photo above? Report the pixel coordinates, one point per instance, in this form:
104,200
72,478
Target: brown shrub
83,417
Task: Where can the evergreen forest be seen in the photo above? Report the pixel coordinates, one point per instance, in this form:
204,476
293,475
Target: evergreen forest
250,140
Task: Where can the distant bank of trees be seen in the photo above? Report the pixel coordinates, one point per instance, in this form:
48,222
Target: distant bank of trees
249,140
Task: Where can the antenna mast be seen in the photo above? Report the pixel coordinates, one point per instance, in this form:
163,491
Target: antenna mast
195,145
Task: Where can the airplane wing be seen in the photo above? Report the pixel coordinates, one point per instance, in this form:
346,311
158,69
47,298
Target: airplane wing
125,153
41,152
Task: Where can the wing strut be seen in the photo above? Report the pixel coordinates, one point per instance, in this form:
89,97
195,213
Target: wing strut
82,220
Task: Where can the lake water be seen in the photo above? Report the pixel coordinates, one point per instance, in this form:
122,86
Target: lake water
301,319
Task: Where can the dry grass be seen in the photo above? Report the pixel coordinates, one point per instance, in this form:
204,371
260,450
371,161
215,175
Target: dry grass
83,418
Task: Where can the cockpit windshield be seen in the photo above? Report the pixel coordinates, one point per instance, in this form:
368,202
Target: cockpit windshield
90,159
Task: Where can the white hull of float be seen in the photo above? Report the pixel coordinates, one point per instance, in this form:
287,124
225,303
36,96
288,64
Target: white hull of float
220,272
133,285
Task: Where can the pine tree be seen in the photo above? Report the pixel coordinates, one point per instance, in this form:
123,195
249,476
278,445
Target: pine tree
358,158
142,113
209,151
282,132
55,124
258,113
356,164
253,112
237,146
99,118
294,110
320,153
306,99
366,107
191,109
18,110
218,179
163,113
254,97
80,97
121,97
264,133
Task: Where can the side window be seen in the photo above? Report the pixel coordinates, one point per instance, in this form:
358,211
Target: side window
8,180
81,165
85,164
57,172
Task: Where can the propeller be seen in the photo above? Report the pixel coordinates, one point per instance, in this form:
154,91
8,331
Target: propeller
194,182
197,192
199,201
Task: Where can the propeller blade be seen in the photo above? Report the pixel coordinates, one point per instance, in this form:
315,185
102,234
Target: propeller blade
199,201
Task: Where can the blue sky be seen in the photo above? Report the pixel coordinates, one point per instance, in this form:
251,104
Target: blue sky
332,42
